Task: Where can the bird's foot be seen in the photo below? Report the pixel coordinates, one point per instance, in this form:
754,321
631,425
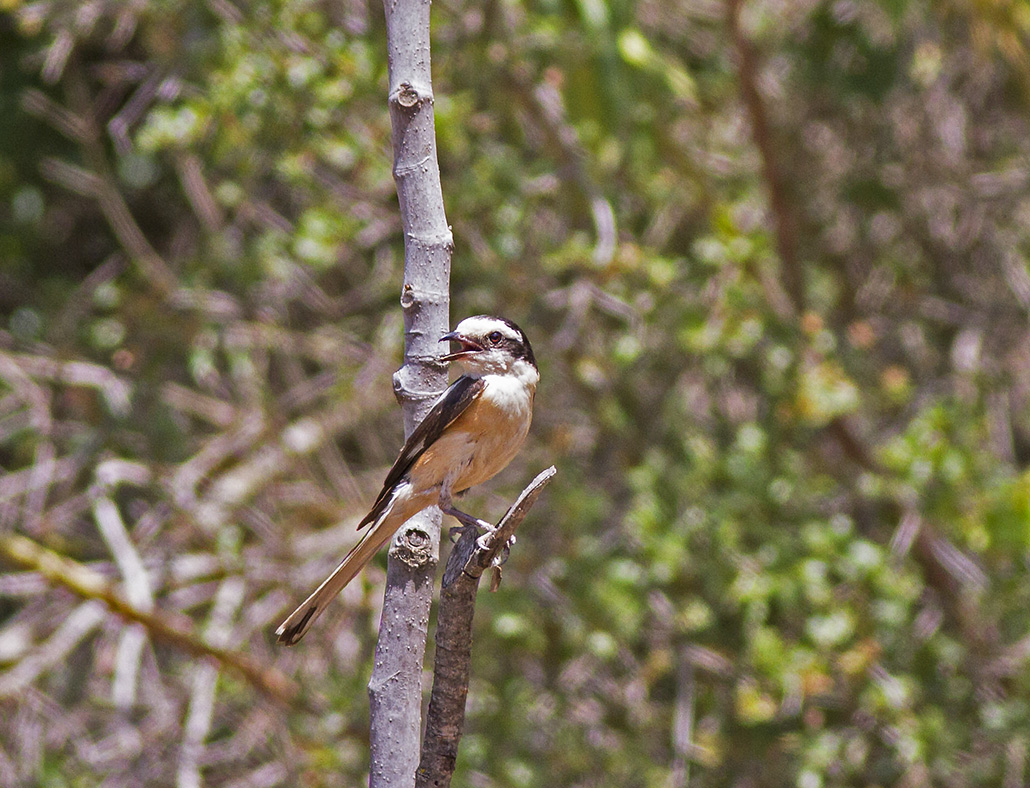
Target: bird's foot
467,520
502,556
456,532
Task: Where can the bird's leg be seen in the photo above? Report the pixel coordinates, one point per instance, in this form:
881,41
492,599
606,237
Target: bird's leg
466,520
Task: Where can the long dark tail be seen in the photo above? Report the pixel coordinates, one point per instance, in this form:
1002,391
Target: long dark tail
301,619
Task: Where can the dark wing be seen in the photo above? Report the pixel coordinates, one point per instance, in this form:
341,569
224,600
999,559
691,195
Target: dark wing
451,404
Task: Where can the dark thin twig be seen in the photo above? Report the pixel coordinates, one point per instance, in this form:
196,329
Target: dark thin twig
469,559
761,133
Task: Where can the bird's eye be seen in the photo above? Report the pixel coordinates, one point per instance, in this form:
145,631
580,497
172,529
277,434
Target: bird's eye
494,337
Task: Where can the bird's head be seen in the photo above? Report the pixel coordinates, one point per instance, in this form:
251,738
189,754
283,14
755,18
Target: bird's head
491,346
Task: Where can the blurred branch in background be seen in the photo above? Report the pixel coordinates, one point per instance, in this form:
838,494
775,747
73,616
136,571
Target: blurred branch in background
950,572
544,102
96,182
174,630
781,213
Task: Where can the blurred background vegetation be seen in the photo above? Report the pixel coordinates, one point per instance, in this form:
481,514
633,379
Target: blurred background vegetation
773,260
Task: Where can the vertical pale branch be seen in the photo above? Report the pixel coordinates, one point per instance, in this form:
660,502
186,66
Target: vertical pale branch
395,689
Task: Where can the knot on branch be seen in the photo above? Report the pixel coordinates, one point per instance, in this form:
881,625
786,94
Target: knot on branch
414,547
412,386
412,297
407,95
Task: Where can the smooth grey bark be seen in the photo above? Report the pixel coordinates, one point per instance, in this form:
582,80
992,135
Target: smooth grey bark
395,688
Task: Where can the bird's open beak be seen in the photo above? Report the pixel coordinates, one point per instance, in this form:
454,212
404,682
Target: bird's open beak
468,346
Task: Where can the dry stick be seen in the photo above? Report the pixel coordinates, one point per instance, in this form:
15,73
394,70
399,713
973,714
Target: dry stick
88,584
395,688
761,133
469,559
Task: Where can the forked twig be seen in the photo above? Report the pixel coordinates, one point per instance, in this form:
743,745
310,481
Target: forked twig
469,559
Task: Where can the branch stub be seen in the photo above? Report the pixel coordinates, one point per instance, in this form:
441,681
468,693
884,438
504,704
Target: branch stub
408,95
408,297
413,547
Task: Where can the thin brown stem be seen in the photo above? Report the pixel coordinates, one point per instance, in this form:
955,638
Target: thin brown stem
780,205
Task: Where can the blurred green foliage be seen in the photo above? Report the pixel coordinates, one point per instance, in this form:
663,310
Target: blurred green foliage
788,544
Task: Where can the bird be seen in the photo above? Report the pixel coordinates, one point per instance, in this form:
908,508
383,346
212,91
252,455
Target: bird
471,433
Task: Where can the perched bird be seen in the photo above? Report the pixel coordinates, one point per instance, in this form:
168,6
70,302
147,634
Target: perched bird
472,432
